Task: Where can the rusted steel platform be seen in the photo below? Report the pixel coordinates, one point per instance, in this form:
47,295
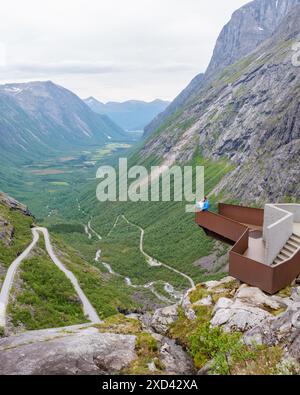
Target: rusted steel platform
242,227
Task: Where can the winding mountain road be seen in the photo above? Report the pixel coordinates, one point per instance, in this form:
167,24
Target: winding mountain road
93,230
150,286
8,281
114,226
87,232
88,309
150,260
153,262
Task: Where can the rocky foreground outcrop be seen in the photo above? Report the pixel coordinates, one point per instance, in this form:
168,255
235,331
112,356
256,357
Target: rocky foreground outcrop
262,320
267,328
69,351
86,350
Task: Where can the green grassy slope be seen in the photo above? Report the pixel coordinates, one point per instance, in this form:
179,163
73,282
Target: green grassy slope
16,234
43,297
66,201
171,235
121,250
107,293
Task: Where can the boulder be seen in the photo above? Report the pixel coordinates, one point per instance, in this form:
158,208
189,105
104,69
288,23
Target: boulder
264,320
249,308
72,351
175,359
223,303
204,302
241,313
210,285
294,348
256,297
163,318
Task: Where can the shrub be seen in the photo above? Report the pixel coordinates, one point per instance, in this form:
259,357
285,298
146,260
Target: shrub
214,344
147,351
146,344
120,324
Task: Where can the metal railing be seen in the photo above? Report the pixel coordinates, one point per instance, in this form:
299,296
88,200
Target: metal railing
230,225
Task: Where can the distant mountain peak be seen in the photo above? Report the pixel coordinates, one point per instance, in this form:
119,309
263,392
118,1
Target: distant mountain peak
130,114
91,99
41,117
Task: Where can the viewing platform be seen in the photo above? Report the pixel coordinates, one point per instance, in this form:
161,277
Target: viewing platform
266,242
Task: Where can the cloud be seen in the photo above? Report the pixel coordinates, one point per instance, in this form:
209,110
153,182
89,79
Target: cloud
66,67
75,67
116,49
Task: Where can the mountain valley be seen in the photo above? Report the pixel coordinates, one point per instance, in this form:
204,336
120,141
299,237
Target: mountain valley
156,282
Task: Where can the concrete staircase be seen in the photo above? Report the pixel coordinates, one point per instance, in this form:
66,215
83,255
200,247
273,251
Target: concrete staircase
290,248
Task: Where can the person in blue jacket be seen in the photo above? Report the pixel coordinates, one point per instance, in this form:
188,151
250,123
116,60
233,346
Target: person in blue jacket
203,205
206,204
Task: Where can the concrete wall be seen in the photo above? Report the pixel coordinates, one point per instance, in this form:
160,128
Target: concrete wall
272,215
278,228
292,208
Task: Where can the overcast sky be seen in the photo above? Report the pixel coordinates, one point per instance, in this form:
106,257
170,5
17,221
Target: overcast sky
111,49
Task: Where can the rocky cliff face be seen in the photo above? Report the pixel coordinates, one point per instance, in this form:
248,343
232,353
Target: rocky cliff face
13,204
248,114
6,227
248,28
